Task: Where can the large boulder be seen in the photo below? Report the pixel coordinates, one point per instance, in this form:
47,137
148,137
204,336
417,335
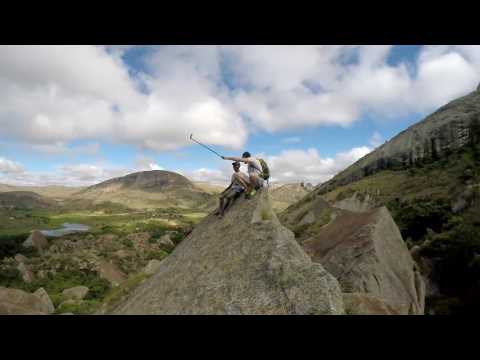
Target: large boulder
26,273
37,241
245,263
366,253
356,203
166,242
75,293
43,295
19,302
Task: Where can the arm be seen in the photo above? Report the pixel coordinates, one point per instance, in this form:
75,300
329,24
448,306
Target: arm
235,159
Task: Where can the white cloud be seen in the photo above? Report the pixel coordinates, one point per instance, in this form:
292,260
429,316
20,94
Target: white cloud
144,163
10,167
309,166
213,176
57,94
53,95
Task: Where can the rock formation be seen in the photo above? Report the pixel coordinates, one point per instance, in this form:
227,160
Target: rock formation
36,240
366,253
18,302
246,263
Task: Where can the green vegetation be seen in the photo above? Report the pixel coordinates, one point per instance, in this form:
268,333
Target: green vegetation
54,284
10,245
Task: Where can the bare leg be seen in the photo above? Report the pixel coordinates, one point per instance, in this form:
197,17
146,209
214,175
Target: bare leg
220,207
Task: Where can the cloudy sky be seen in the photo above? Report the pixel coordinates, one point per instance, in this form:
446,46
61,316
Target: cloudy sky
77,115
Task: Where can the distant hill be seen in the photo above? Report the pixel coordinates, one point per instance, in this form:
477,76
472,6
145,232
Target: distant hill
24,200
148,189
52,191
209,188
285,195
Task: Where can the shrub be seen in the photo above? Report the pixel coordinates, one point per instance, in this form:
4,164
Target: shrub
10,245
11,278
158,255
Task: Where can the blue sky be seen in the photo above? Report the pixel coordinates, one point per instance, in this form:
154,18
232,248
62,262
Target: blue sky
77,115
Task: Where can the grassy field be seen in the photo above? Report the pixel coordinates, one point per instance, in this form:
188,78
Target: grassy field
20,221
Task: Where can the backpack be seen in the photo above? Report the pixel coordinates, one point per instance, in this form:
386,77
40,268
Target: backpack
265,175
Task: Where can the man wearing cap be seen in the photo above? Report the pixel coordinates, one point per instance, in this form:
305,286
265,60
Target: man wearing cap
238,184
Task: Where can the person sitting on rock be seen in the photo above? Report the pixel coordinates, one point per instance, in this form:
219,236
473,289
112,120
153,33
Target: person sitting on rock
238,184
254,171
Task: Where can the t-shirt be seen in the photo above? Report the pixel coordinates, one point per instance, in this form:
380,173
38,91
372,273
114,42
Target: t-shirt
255,168
236,184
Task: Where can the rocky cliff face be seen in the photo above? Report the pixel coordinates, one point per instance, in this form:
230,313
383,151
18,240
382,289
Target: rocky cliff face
246,263
364,251
449,128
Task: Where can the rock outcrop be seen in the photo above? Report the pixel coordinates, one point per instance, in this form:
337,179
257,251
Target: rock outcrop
43,295
366,253
356,203
447,129
37,241
245,263
75,293
111,273
18,302
152,267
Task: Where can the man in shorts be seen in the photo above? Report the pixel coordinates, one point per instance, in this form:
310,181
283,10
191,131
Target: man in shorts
238,184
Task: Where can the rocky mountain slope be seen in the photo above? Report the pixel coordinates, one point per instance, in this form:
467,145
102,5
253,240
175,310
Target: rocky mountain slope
450,127
246,263
249,263
148,189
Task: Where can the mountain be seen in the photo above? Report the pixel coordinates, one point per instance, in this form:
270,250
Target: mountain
148,189
449,128
285,195
24,200
209,188
52,191
428,177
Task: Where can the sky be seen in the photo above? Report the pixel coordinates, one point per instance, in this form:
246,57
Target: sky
78,115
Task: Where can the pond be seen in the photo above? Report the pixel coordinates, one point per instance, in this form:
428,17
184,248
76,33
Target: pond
66,228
